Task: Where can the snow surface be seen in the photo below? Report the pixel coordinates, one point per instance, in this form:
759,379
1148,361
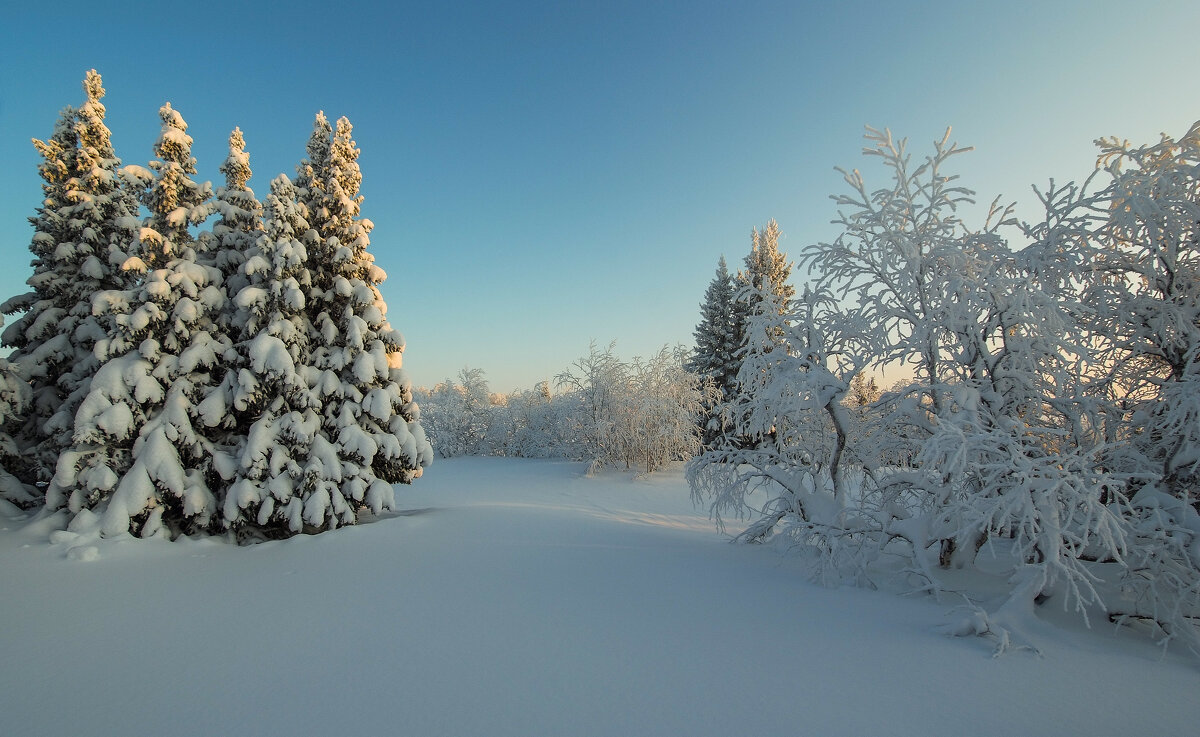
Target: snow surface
519,597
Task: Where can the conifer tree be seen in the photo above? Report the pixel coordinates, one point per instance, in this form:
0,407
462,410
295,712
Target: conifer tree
138,457
767,270
368,413
38,344
14,397
81,236
283,458
764,278
311,173
234,235
227,248
718,337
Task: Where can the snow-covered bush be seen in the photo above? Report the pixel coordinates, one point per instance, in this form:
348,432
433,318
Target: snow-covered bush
995,443
1140,234
637,414
642,414
793,381
1160,584
1145,288
531,424
458,416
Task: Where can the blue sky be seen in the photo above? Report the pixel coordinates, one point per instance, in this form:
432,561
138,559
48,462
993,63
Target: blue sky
541,174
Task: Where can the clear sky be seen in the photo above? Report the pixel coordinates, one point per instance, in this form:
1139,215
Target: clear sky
541,174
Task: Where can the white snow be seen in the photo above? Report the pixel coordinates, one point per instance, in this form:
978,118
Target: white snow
518,597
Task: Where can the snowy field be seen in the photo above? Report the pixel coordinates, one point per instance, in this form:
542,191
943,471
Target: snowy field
515,597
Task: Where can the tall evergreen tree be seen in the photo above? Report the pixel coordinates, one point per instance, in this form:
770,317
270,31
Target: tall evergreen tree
765,278
39,346
139,456
718,337
367,408
175,201
767,270
312,171
284,457
80,243
14,398
227,248
235,234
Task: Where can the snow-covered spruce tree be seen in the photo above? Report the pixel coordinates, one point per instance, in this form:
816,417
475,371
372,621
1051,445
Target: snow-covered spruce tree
718,338
81,236
313,170
234,235
14,398
39,346
767,268
280,455
139,458
368,413
766,273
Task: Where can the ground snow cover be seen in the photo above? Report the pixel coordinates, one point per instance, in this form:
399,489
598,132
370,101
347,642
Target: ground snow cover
516,597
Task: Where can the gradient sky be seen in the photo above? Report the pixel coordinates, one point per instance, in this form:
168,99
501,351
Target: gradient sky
541,174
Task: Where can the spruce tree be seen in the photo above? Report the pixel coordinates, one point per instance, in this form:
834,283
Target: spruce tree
14,398
717,340
368,413
138,456
235,234
40,348
283,458
80,242
227,248
764,279
311,173
767,270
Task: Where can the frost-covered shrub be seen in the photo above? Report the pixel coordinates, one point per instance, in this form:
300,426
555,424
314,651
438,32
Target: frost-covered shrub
1144,286
458,416
1160,582
531,424
642,414
655,422
1035,412
639,414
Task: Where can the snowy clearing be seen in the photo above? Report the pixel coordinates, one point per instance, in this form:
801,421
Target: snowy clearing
516,597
